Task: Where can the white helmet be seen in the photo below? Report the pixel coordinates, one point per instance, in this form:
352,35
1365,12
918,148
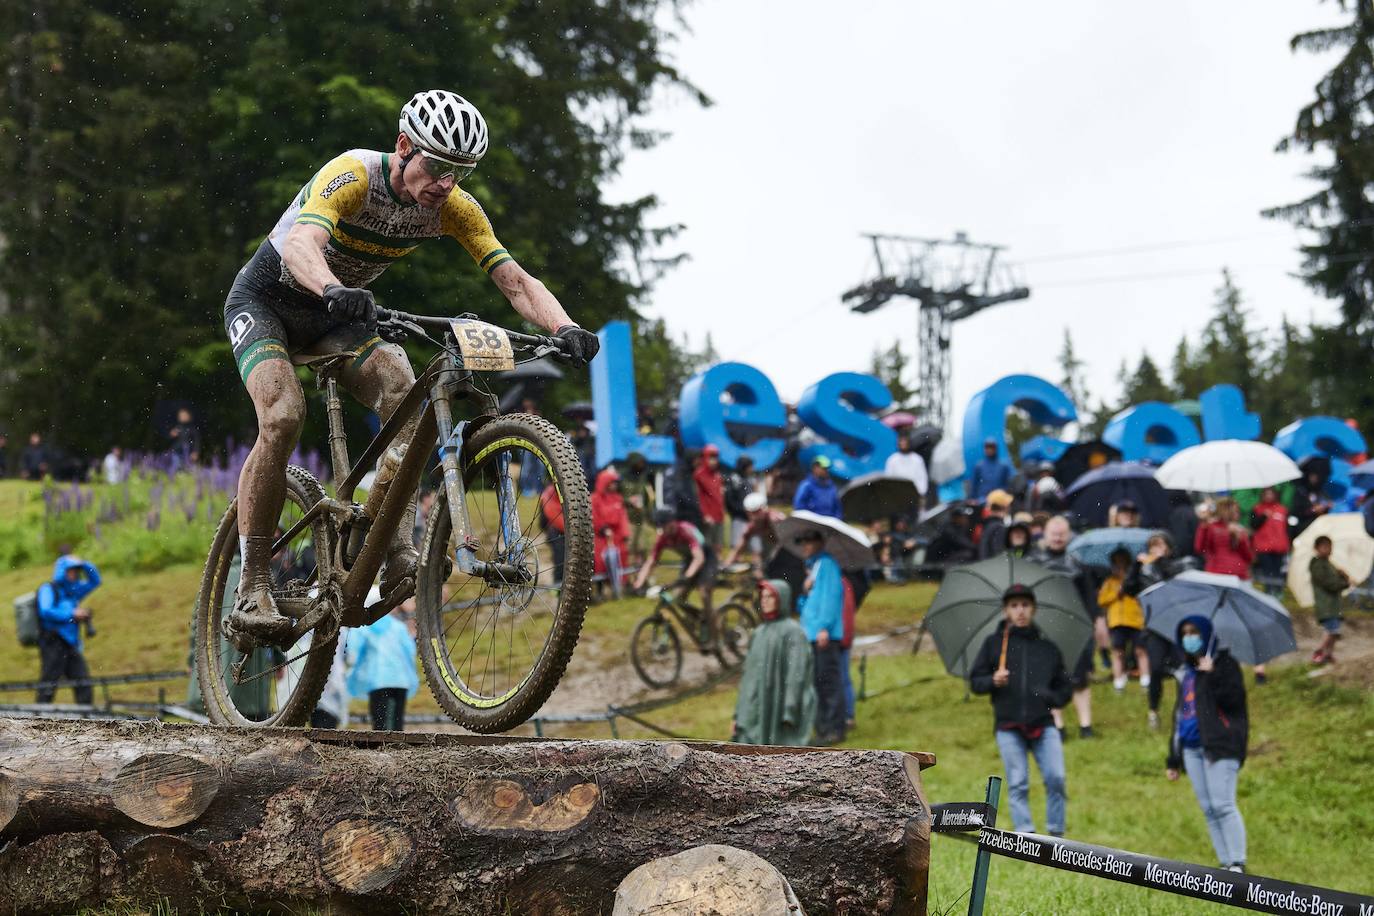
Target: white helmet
754,502
445,125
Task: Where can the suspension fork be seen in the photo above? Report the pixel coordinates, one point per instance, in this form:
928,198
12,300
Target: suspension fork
453,436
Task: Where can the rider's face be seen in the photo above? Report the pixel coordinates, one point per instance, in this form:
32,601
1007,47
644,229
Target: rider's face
428,191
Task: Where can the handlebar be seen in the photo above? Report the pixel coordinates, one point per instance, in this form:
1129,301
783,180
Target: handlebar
398,318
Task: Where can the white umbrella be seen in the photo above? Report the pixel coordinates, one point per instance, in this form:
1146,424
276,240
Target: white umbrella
1351,550
947,461
1226,464
850,547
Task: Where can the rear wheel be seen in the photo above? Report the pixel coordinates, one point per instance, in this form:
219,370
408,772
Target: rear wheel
656,651
734,624
494,651
270,686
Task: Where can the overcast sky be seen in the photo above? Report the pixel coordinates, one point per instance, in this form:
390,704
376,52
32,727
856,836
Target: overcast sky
1056,129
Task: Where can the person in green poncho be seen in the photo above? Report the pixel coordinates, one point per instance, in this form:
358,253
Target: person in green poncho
777,694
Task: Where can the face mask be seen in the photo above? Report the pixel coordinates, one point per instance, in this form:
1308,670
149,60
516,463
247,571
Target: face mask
1192,643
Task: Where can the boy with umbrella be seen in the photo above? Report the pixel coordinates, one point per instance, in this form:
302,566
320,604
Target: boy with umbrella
1024,674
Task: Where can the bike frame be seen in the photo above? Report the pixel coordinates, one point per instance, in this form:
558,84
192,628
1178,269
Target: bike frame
680,611
442,381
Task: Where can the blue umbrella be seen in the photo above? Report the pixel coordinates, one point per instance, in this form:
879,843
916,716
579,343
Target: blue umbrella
1362,474
1095,548
1093,494
1253,626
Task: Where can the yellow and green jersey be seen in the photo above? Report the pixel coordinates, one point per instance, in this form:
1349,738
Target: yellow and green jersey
369,227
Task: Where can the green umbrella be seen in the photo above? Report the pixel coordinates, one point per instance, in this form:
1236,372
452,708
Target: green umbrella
968,608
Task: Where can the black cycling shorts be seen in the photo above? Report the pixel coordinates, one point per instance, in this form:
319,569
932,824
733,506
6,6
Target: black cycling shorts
266,319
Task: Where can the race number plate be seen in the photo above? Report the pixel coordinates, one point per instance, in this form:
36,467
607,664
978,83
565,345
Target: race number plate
485,347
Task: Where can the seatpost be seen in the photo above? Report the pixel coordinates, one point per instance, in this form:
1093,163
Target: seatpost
338,441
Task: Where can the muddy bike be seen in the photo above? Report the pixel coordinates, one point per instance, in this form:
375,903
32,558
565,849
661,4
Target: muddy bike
656,648
495,631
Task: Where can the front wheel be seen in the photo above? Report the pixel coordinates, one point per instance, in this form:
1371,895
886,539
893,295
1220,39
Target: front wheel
494,651
656,651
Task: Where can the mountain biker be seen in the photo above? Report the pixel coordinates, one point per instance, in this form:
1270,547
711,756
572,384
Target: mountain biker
687,539
305,293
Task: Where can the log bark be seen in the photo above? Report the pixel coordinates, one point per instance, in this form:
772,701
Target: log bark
92,812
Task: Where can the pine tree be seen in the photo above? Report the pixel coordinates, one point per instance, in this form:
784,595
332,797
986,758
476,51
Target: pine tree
1071,374
1145,383
891,366
1340,264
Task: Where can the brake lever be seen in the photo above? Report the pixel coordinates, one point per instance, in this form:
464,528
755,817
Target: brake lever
397,330
543,350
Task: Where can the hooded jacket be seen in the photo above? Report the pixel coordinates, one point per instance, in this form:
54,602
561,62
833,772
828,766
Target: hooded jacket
610,521
822,607
710,491
777,693
1222,717
1038,681
1222,551
818,496
59,599
383,657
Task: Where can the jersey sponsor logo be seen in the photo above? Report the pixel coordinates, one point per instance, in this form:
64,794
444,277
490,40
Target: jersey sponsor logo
339,182
239,328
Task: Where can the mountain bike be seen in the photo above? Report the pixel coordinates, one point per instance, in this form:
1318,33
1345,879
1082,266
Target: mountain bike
656,649
496,631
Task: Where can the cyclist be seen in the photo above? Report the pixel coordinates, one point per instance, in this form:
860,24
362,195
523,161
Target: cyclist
687,539
305,293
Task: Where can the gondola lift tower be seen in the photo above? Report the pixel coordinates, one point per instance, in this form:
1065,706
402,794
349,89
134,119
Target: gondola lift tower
950,279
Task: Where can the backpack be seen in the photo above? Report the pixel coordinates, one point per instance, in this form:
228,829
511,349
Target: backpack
26,625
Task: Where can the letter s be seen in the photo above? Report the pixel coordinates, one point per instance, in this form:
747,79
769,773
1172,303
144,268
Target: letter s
837,408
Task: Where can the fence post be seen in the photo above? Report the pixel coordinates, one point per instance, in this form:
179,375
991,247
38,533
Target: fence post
980,865
863,676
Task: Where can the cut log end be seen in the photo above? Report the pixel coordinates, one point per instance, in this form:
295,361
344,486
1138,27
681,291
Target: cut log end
495,805
165,790
361,856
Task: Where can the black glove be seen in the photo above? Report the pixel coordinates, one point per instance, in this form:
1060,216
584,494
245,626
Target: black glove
579,345
350,304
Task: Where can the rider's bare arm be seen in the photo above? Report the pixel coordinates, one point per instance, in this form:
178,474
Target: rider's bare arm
734,554
645,570
530,297
303,253
698,558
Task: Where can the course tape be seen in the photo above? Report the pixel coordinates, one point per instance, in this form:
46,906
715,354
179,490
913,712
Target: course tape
1251,892
959,816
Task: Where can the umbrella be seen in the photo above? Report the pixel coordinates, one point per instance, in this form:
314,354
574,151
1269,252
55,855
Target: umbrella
968,608
925,437
1095,548
1095,492
850,547
1189,408
930,522
947,461
1227,464
1362,474
579,410
1083,457
1254,626
870,497
900,419
1351,550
